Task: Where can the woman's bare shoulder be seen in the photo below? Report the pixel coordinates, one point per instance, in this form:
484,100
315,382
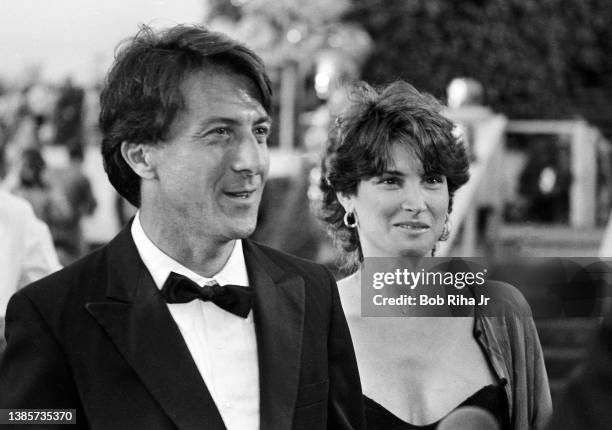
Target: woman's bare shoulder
351,281
349,289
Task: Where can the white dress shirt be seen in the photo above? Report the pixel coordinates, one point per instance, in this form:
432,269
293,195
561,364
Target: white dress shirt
222,345
26,247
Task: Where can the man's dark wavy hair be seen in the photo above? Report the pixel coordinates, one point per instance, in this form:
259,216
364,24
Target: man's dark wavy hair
360,143
142,92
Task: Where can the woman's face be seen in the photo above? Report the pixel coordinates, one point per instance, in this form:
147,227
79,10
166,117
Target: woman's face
402,212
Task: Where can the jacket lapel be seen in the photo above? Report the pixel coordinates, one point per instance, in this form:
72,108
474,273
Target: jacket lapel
278,313
138,321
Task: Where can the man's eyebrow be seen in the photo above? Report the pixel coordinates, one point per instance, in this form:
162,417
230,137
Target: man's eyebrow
232,121
264,118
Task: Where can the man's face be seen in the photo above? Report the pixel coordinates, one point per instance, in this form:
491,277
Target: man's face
212,168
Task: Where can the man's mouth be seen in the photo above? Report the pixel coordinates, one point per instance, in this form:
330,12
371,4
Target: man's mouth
240,194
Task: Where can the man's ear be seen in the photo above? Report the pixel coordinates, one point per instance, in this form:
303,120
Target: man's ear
138,156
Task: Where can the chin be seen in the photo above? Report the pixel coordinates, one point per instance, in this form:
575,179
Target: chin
416,252
242,230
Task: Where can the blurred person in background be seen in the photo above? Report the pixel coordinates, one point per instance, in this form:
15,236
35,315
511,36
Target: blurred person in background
48,202
26,124
26,249
388,180
21,126
68,116
545,181
25,117
75,186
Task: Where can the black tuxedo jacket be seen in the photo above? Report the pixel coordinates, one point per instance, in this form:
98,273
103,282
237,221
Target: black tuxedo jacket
98,337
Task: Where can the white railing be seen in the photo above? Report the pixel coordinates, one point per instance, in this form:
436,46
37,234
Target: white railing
605,249
484,188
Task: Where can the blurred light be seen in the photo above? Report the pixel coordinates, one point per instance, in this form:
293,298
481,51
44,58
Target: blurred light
238,3
294,35
464,92
322,84
326,71
547,181
457,93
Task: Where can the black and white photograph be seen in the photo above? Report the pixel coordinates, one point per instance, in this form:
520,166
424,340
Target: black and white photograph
306,215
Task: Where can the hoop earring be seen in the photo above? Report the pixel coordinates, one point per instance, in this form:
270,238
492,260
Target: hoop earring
347,222
446,231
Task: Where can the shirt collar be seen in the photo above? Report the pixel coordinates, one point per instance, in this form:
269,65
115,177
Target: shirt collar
160,264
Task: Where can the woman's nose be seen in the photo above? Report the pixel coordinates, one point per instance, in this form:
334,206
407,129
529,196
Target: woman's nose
413,199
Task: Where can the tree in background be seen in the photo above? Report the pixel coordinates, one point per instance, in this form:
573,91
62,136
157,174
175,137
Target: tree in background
284,30
533,57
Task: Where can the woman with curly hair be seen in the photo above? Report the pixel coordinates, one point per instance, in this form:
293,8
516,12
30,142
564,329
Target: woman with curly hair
389,176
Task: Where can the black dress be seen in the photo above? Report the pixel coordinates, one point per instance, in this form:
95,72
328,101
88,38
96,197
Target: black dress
492,398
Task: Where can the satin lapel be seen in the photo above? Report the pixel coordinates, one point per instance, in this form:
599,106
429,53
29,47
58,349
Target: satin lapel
279,323
138,321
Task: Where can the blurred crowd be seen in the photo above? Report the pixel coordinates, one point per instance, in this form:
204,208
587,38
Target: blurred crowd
47,131
44,133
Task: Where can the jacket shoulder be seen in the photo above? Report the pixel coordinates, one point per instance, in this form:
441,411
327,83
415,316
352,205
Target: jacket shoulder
505,299
288,261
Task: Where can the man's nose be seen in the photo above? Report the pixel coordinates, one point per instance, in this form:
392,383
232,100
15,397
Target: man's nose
413,198
250,156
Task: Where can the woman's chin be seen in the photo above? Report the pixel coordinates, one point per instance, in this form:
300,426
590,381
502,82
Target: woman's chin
420,249
415,253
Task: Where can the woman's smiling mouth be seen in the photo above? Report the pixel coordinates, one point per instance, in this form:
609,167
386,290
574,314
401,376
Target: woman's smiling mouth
413,226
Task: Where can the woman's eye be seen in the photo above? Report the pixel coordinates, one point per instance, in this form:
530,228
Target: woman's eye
388,181
434,179
221,131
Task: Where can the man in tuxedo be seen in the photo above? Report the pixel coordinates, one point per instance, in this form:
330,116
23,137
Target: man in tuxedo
180,322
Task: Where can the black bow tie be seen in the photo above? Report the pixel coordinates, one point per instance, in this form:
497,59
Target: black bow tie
232,298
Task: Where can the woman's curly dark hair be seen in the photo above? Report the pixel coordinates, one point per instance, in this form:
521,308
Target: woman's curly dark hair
360,144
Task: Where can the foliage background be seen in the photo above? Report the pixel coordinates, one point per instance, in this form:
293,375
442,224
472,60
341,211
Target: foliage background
536,58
